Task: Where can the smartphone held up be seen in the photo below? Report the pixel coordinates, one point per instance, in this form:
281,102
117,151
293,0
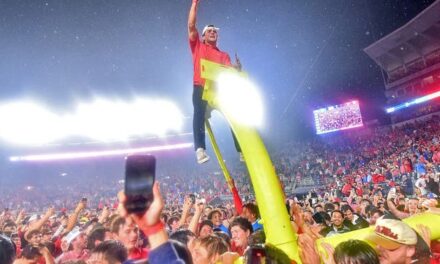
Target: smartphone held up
139,180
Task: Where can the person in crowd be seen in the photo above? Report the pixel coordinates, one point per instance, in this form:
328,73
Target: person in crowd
375,214
77,240
46,235
33,238
185,237
353,220
251,213
209,249
395,240
9,227
206,228
34,255
110,251
337,225
216,217
161,249
349,252
319,208
7,250
240,229
97,236
173,223
124,229
355,251
308,217
183,252
412,204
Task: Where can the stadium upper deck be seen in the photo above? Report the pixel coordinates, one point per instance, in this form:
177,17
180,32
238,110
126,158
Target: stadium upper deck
410,58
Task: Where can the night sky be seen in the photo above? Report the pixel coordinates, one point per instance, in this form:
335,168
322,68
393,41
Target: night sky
304,54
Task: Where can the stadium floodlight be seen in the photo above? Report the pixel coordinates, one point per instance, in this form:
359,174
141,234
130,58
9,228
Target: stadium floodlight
94,154
240,99
418,100
28,123
109,120
390,110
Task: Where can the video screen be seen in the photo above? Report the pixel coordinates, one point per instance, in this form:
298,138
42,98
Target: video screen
338,117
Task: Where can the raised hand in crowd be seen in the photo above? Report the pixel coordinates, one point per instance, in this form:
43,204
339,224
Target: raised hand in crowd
104,215
199,208
73,218
20,217
187,205
150,219
37,225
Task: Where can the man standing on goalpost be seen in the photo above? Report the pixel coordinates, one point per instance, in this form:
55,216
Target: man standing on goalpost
204,48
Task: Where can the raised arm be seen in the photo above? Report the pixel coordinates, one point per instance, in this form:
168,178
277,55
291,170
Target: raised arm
187,204
73,218
392,207
196,218
192,30
39,224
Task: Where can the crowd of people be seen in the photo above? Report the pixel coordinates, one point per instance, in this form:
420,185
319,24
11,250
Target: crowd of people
370,178
338,117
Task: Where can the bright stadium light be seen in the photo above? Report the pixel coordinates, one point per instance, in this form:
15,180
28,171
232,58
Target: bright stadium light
240,99
28,123
94,154
418,100
390,110
107,120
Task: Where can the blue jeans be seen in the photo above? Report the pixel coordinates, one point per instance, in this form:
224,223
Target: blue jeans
199,117
199,120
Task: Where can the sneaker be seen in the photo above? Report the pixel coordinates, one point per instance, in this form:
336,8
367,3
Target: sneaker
241,157
201,155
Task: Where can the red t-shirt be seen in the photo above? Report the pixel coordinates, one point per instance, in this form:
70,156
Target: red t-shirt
378,178
407,165
346,189
201,50
138,253
436,157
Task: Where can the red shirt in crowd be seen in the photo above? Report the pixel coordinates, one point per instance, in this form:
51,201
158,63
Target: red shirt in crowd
407,166
436,157
346,189
359,191
138,253
378,178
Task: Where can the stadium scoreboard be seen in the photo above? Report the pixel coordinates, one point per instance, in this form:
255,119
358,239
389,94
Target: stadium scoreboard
338,117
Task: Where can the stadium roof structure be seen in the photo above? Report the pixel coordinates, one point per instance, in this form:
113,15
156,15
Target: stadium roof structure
414,40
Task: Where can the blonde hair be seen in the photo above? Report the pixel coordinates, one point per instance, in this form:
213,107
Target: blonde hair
213,244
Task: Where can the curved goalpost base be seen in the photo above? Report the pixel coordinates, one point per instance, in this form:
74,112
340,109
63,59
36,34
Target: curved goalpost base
268,191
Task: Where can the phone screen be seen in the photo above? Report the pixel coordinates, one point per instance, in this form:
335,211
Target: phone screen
139,179
193,198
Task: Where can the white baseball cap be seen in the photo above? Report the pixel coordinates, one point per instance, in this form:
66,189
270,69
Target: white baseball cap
209,27
391,234
72,235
